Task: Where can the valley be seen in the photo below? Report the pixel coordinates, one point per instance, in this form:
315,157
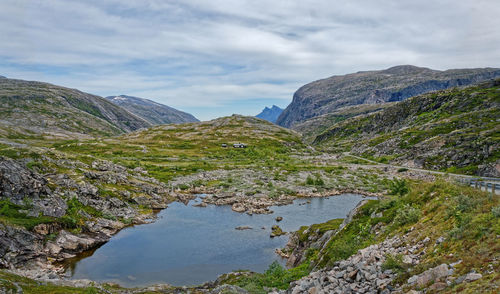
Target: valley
82,174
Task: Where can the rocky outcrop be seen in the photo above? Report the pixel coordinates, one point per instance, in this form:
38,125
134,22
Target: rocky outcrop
371,87
73,200
18,246
360,273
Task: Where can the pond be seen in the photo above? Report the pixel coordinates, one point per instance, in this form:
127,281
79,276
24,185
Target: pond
190,245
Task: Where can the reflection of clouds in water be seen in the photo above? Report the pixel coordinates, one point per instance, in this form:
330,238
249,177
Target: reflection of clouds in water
191,245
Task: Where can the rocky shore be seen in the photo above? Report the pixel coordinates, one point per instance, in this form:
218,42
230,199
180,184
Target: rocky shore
67,213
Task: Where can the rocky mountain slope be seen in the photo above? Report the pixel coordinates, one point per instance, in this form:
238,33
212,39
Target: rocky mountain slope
453,130
270,114
313,127
371,87
34,109
150,111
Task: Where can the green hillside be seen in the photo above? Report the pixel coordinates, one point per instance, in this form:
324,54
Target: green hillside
454,130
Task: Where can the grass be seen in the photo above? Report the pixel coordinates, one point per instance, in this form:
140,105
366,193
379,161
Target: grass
11,283
10,214
452,122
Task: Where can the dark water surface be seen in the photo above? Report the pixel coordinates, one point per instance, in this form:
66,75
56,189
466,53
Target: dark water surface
190,245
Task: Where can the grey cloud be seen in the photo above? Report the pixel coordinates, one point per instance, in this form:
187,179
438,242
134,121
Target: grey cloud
211,52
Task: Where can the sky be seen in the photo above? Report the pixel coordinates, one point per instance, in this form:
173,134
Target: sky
215,58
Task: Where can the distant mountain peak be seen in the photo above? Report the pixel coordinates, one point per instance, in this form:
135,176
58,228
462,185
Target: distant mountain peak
270,114
151,111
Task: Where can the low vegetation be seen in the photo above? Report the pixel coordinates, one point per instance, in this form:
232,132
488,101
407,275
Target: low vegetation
453,130
465,219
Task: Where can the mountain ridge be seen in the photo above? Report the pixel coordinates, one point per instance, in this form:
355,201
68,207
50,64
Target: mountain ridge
372,87
39,109
153,112
453,130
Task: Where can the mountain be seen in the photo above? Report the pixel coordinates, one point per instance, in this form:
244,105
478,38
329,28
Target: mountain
454,130
313,127
372,87
270,114
152,112
34,109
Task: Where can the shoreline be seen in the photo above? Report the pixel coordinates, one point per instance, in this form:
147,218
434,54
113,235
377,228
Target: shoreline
55,271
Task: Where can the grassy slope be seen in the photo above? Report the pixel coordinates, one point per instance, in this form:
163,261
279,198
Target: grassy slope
468,220
454,130
313,127
33,110
172,150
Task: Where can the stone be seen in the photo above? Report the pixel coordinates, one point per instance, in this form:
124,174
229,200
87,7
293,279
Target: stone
238,207
440,271
279,218
472,277
438,286
243,228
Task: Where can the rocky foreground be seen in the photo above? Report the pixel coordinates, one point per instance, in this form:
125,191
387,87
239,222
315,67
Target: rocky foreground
64,214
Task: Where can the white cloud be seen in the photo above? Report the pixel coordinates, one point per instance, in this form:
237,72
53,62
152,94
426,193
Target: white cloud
216,52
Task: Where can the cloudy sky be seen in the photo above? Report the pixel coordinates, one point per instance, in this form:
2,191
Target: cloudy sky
215,57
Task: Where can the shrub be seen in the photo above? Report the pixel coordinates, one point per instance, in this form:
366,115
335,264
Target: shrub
319,181
403,169
398,187
309,180
407,215
496,211
394,263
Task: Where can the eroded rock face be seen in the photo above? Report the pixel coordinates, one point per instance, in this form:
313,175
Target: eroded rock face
17,246
18,183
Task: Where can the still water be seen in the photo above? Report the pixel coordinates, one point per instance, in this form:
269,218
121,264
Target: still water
190,245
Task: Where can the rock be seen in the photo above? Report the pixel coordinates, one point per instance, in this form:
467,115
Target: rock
276,231
53,249
229,289
243,228
17,246
74,243
472,277
238,207
440,271
438,286
279,218
440,240
18,182
407,259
